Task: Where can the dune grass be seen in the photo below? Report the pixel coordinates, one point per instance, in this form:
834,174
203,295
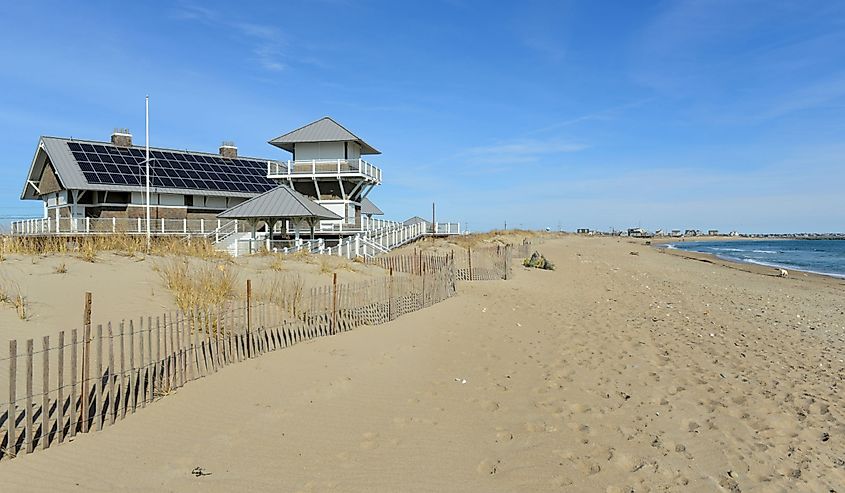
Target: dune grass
198,285
12,294
285,291
87,248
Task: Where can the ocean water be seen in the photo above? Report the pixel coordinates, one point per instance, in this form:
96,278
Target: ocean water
818,256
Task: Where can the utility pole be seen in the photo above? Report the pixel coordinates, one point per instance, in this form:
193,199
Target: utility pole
433,219
149,237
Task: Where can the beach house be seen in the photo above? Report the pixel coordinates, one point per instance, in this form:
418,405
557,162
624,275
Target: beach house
101,187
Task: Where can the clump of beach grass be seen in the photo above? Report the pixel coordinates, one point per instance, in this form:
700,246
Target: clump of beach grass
199,286
278,263
284,291
60,269
12,294
538,262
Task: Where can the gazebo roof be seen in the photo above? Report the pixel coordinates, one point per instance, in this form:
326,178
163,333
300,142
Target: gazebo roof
281,202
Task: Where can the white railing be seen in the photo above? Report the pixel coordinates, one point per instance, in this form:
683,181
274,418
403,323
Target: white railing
375,236
113,225
317,167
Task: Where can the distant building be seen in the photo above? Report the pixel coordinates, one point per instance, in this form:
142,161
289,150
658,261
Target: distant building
692,232
734,233
583,231
638,233
713,232
676,233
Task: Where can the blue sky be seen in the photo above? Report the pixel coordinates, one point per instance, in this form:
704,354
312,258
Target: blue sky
709,114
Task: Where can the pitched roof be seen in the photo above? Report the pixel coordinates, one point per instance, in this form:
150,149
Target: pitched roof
323,130
415,220
280,202
369,208
70,173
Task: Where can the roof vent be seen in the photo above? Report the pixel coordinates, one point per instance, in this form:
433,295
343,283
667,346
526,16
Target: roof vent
121,137
228,149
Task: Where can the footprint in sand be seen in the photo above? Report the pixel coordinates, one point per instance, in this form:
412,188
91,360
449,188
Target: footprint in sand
370,441
489,467
489,406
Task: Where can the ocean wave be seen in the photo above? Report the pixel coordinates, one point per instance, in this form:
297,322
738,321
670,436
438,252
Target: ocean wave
728,249
792,267
763,251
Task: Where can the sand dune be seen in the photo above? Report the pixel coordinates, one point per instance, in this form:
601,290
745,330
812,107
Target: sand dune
616,372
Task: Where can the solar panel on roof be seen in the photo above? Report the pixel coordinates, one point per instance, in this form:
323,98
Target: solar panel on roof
107,164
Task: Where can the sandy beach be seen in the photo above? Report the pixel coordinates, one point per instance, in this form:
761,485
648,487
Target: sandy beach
626,369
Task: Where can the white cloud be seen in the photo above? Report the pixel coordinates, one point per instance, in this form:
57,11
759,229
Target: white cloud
265,41
519,151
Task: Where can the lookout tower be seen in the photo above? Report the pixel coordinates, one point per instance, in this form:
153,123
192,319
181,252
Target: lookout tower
326,164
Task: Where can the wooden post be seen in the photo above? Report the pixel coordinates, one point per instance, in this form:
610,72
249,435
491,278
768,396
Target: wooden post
172,381
122,386
162,368
86,361
142,393
248,307
72,422
469,259
12,413
133,378
98,396
111,374
28,404
150,365
60,397
507,260
45,393
334,304
390,296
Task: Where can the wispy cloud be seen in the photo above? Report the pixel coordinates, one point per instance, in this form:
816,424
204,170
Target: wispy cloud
600,115
264,41
519,151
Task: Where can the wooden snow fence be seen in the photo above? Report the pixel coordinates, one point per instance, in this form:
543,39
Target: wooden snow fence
87,379
479,263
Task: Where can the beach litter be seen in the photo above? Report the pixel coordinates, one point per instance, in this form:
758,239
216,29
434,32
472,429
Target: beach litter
199,472
461,380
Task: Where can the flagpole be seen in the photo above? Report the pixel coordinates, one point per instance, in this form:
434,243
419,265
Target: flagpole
149,241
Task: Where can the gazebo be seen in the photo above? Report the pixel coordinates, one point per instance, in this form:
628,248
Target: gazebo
279,204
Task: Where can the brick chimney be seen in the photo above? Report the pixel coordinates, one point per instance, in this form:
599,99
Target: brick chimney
228,149
121,137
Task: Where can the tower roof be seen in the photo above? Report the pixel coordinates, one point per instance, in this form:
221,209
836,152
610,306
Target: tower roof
323,130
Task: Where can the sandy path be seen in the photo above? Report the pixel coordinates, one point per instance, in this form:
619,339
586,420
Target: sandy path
614,373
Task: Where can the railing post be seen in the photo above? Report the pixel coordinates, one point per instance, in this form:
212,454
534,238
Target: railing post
162,225
139,225
202,226
184,225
